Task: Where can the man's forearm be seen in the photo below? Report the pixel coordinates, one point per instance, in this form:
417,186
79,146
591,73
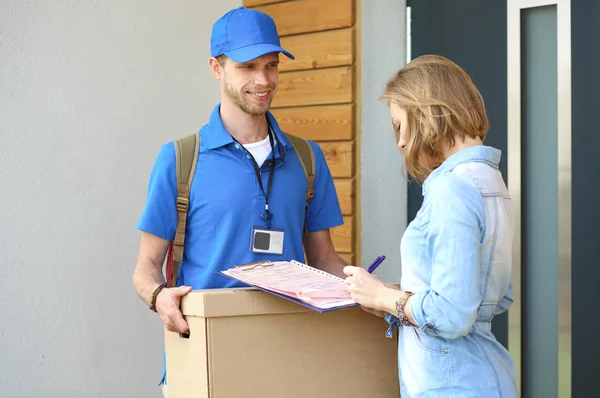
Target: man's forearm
321,254
146,278
332,264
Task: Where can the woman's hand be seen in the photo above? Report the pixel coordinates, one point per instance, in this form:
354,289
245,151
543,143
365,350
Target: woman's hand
378,313
382,313
364,288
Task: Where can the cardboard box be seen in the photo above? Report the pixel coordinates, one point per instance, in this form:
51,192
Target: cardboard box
251,344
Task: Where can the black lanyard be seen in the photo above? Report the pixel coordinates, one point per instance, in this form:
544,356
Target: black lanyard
267,215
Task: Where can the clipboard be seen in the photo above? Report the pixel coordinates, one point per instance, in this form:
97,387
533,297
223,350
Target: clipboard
296,282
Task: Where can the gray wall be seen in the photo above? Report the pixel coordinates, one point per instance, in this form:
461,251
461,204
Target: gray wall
383,186
88,92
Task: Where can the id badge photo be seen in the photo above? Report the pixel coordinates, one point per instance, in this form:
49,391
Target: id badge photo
268,241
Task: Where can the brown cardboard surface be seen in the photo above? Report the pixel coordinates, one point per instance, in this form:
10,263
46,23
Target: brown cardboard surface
187,361
234,302
251,344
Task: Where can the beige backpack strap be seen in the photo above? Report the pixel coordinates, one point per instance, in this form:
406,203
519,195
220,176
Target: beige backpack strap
186,156
307,159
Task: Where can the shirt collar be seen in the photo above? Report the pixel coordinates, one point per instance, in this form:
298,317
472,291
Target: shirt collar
479,153
214,134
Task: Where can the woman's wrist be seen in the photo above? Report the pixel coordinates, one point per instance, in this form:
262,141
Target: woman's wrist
403,309
408,312
391,301
387,299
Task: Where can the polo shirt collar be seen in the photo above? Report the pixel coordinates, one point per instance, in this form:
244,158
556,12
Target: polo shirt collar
214,134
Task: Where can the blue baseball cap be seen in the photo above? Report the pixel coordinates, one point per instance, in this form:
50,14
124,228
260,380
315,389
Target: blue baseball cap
244,34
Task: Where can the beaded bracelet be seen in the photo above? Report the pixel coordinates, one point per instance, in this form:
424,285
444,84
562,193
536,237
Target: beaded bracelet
155,295
400,304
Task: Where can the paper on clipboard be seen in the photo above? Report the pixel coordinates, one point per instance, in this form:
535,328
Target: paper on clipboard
297,281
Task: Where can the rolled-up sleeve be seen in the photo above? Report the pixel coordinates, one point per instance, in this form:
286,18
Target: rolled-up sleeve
505,302
457,216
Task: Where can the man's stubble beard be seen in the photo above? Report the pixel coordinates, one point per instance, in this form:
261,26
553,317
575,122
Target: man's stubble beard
244,103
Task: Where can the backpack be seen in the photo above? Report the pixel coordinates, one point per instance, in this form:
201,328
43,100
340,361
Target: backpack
187,150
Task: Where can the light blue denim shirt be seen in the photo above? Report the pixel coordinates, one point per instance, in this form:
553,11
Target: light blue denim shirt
456,259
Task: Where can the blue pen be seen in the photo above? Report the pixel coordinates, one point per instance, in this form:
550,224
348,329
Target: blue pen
375,264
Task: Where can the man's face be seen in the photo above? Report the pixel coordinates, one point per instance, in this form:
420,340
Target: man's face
252,85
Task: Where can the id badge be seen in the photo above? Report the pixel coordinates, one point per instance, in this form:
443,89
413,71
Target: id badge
269,241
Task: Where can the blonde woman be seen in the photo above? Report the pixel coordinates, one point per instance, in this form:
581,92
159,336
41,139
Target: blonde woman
456,253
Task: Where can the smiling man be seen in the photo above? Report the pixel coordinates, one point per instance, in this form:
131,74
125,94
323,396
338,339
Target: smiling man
248,198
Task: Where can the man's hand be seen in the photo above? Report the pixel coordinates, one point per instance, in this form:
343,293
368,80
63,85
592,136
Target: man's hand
167,306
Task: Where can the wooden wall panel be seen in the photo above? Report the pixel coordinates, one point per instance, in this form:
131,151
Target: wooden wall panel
343,236
318,50
302,16
318,95
345,192
254,3
315,87
339,157
318,123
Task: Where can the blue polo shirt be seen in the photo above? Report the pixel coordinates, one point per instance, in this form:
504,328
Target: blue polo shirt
226,201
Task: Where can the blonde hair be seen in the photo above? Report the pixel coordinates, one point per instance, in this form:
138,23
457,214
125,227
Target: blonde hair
441,103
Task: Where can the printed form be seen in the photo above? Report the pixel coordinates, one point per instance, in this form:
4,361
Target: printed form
295,279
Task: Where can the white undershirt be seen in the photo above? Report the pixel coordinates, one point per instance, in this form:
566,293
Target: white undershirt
260,150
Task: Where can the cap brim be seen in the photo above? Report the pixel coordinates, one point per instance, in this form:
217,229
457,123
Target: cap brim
248,53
